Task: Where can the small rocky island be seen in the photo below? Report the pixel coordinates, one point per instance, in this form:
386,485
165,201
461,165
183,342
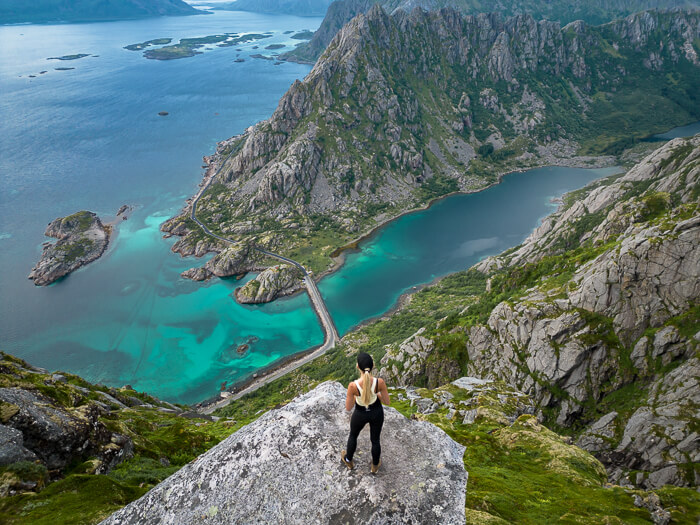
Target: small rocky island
82,238
270,284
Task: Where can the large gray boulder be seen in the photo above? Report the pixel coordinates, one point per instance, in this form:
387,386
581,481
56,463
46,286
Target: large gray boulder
285,468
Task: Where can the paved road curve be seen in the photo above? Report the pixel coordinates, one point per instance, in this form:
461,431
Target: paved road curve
330,332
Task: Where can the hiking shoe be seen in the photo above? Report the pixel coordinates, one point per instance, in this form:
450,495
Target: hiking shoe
349,464
375,468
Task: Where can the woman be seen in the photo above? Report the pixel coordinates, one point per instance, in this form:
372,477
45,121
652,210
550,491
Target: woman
367,395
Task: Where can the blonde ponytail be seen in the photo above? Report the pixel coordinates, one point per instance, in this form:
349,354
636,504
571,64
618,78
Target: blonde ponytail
367,381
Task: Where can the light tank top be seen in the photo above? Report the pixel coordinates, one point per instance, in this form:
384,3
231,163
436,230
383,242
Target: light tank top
372,397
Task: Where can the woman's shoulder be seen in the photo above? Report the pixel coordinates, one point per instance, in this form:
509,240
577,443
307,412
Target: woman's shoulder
380,382
352,387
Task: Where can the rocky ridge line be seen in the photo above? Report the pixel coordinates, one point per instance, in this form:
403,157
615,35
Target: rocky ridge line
625,318
375,129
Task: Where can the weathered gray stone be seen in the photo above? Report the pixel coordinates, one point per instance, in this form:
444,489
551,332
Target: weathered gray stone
270,284
285,468
12,447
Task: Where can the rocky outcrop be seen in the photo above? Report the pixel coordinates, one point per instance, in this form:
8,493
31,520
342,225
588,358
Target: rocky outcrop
58,436
270,284
246,477
615,305
82,238
53,433
52,424
398,107
410,363
237,259
657,441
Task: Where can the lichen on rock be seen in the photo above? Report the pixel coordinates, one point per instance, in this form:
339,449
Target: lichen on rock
270,284
285,468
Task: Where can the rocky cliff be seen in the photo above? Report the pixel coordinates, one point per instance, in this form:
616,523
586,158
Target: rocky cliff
285,468
596,12
404,108
595,316
73,452
270,284
82,238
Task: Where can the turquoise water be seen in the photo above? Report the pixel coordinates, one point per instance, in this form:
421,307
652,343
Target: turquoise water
90,138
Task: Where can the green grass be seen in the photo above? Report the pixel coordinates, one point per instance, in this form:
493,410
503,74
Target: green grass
79,498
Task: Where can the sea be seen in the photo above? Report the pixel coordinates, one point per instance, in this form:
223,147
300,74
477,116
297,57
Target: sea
86,134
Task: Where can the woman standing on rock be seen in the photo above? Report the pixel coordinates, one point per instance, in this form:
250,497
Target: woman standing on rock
367,395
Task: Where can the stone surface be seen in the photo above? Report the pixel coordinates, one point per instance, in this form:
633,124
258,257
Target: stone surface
82,238
59,436
285,468
12,447
270,284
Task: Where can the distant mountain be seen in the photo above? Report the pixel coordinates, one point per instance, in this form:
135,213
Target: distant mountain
593,12
36,11
403,108
286,7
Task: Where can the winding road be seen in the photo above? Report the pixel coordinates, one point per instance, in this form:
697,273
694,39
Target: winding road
330,332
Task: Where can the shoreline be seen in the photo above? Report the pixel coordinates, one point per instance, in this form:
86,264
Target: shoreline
289,363
338,255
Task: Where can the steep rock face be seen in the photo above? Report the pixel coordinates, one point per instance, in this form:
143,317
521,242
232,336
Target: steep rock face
270,284
410,363
395,111
247,477
82,238
619,311
337,15
596,12
236,259
657,440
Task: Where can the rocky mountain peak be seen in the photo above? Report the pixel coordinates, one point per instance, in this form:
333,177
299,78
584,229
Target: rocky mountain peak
285,468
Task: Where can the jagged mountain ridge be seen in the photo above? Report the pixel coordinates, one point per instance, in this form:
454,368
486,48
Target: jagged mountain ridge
596,12
398,107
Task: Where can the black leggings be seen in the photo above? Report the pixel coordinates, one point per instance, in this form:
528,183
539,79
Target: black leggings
360,417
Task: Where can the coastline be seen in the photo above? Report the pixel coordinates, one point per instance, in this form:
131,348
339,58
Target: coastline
287,364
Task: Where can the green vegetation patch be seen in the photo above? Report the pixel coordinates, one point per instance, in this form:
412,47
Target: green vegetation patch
148,43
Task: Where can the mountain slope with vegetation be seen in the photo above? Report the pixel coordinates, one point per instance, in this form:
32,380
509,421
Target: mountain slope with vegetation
594,13
558,376
403,109
38,11
552,319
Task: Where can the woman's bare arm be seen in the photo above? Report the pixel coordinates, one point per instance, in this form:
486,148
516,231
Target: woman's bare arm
383,392
350,399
